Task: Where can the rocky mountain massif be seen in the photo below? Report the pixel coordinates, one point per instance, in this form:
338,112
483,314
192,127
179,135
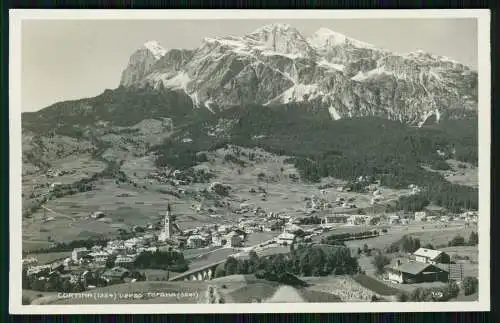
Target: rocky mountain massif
277,65
339,107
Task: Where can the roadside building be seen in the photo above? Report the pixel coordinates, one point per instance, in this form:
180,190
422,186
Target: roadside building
416,272
431,256
394,219
217,240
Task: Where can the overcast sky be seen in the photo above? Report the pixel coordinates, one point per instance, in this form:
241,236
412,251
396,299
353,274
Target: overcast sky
72,59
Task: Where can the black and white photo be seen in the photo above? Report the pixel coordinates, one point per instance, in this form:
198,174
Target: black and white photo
240,161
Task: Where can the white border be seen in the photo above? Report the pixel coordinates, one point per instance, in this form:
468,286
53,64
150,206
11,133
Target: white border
16,18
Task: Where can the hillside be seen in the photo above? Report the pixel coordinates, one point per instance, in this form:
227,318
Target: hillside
270,108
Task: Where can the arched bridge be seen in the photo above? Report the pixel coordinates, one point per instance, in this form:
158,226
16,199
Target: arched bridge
206,272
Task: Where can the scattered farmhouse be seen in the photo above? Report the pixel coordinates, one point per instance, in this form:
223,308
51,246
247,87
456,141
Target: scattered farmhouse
97,215
415,272
430,256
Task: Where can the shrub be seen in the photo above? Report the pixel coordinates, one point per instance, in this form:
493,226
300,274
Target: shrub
402,296
458,240
469,285
473,239
440,165
379,262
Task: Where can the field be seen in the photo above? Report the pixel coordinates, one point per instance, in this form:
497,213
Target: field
345,287
45,258
460,173
435,234
157,274
126,205
375,285
234,289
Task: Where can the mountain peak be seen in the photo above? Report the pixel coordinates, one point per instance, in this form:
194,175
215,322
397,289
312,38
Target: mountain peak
325,37
281,38
274,26
155,48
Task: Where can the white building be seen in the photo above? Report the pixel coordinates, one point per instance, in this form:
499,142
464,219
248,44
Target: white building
356,219
37,269
78,253
431,256
100,256
125,261
223,229
394,219
420,216
167,227
30,261
286,238
195,241
217,240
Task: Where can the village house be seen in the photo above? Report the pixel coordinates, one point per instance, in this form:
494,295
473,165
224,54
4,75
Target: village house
430,256
286,238
97,215
217,240
415,272
29,261
335,219
125,261
37,270
420,216
54,186
394,219
99,256
79,253
356,219
195,241
116,274
223,229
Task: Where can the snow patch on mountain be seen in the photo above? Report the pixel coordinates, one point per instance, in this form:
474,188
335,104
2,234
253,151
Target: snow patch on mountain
325,63
334,113
155,48
179,81
362,76
300,93
208,103
325,37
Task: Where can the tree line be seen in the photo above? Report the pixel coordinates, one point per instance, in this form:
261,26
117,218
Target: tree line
304,260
